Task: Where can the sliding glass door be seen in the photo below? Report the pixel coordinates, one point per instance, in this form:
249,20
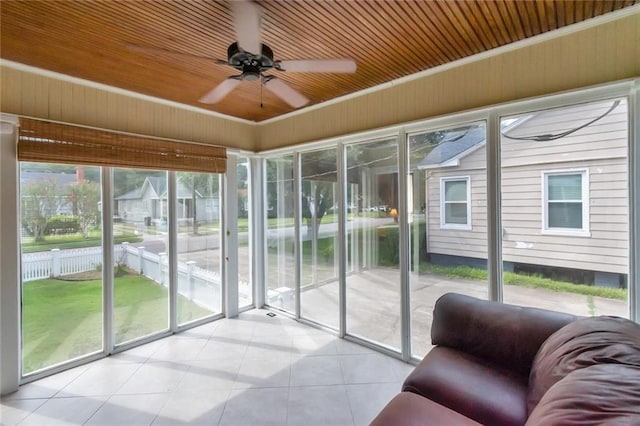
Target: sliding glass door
199,243
280,262
373,266
319,289
447,217
141,247
61,241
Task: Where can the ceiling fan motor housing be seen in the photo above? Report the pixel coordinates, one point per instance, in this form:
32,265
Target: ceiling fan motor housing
251,65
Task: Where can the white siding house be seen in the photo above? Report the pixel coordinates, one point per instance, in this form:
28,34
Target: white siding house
564,192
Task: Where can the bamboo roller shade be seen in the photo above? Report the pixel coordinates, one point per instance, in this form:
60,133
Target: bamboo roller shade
49,142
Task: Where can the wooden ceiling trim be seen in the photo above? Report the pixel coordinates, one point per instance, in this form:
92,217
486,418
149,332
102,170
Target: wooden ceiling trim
546,18
521,12
181,28
516,27
321,45
438,37
205,16
321,81
560,15
409,37
186,66
460,29
430,38
499,24
280,31
376,34
343,21
476,23
578,11
406,20
442,22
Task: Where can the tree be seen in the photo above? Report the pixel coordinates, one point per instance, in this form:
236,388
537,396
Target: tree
40,201
85,196
317,197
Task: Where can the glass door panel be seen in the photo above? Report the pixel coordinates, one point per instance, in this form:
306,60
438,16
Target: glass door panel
373,274
280,258
61,240
447,198
140,236
319,238
245,256
198,245
565,208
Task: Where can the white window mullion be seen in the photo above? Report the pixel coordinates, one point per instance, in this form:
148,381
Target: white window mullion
173,251
107,259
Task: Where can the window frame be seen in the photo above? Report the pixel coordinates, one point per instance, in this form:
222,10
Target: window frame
586,226
443,223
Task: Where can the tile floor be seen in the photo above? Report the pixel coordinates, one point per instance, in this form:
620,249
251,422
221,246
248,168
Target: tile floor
253,370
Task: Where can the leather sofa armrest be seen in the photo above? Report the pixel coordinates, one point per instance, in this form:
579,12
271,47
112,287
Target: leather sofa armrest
506,334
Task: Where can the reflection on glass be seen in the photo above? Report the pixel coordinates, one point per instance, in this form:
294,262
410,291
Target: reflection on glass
373,274
280,262
446,192
565,208
319,237
141,277
61,238
198,220
245,256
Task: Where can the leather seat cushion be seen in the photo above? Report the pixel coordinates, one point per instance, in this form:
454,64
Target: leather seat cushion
409,409
477,388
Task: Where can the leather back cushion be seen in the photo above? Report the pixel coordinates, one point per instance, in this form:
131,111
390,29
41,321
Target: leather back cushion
504,334
605,394
581,344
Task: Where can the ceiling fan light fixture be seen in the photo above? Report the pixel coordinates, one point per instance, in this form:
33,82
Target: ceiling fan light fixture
251,75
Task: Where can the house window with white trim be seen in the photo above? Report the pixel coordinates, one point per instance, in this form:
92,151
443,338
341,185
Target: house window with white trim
566,202
455,202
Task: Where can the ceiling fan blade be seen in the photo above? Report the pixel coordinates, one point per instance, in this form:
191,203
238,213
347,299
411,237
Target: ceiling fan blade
285,92
318,65
220,91
247,17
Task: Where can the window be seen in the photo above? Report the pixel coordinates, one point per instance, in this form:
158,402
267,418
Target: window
566,202
455,207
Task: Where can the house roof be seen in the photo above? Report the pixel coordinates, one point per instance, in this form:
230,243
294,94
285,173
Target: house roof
159,186
453,147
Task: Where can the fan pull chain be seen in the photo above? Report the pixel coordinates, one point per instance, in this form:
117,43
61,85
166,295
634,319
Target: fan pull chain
261,84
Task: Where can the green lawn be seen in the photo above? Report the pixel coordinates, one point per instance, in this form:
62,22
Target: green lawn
73,241
73,309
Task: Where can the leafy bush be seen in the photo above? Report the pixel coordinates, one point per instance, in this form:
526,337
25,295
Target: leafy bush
61,224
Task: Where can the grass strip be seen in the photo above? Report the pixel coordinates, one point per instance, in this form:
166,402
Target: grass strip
531,281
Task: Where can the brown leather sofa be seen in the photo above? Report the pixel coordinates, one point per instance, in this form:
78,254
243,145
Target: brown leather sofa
500,364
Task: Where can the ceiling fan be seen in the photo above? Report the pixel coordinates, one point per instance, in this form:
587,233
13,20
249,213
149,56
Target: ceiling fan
252,58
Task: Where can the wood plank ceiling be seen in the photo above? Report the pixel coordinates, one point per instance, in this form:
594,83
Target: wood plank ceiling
388,39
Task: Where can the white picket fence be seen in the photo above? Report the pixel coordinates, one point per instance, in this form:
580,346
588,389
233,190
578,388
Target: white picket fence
197,284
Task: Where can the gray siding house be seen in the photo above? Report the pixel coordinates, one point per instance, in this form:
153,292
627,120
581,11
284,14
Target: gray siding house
150,201
564,192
